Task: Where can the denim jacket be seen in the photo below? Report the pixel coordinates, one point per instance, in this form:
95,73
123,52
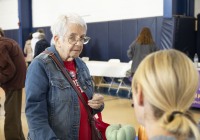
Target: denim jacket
52,106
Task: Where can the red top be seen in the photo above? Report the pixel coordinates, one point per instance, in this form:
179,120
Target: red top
85,129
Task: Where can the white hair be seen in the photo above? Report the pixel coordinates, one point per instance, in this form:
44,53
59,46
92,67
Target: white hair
60,26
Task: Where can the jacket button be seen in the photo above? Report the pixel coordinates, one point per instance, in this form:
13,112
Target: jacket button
84,87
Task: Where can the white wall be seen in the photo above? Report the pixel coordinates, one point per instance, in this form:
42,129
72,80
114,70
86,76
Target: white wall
44,11
9,14
197,7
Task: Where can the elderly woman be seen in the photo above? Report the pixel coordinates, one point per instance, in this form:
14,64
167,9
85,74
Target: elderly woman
164,86
53,108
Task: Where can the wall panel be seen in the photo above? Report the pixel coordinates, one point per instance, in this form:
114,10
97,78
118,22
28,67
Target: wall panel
114,39
129,33
13,34
110,39
158,30
99,42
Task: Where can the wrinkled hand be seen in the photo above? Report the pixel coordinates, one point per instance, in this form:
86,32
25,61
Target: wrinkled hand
96,102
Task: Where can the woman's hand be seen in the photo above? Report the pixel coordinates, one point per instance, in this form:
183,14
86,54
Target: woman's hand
96,102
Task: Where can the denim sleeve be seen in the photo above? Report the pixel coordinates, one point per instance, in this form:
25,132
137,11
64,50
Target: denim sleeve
36,88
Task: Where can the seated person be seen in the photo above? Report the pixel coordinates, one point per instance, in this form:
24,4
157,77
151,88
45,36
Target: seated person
163,87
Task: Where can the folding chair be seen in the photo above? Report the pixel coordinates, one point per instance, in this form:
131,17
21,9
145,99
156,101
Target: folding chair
112,78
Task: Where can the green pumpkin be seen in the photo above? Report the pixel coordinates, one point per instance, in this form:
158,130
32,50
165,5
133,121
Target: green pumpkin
119,132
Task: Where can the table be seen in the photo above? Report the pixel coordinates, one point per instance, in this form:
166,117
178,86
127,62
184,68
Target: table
109,69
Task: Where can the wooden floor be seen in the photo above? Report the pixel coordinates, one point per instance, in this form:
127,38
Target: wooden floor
117,111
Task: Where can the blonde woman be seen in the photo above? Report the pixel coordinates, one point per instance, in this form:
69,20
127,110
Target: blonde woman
164,86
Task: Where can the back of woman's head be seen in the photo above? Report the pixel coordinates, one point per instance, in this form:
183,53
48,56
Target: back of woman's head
60,26
145,37
169,82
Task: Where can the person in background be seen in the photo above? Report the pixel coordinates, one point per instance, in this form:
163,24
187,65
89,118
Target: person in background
1,32
28,50
163,87
1,35
140,48
38,35
53,108
41,45
12,79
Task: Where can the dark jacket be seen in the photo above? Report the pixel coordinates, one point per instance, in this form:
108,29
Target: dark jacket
137,53
12,65
40,46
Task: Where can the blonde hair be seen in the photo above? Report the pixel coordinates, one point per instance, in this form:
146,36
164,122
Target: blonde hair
169,82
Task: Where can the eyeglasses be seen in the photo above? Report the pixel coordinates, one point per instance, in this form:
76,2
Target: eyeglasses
73,39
